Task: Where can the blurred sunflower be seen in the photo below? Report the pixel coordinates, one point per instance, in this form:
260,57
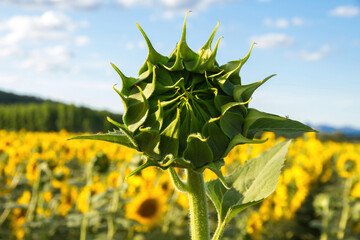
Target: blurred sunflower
32,171
17,220
254,226
69,196
147,208
113,179
60,175
347,164
24,198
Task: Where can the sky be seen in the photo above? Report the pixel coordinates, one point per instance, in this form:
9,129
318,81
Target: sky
61,50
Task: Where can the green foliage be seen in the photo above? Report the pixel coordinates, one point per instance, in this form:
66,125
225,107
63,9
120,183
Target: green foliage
51,116
251,183
10,98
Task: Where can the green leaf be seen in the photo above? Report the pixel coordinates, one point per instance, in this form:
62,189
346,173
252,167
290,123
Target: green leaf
251,183
207,46
257,121
215,167
137,110
153,56
169,137
217,140
244,92
225,84
185,127
240,139
145,74
114,137
123,128
149,87
233,67
148,141
221,100
208,62
185,52
198,151
148,163
231,121
126,81
119,125
177,65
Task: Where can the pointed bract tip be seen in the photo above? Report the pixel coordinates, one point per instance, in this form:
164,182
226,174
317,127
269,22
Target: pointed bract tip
183,34
217,24
243,103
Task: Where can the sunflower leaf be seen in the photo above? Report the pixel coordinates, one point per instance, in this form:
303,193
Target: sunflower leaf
148,141
251,183
114,137
257,121
198,151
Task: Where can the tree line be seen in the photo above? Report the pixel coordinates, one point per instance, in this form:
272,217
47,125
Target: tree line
53,116
11,98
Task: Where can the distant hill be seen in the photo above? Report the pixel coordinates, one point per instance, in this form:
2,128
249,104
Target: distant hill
347,131
36,114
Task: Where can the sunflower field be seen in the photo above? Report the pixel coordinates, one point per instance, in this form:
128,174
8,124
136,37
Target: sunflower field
51,188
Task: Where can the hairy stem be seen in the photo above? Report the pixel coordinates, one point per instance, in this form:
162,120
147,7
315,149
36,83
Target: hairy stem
179,184
199,224
219,230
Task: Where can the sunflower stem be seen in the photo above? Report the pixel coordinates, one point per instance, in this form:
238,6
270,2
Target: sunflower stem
179,184
199,225
346,209
219,230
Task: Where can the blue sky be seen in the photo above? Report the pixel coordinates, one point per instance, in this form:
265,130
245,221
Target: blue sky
61,50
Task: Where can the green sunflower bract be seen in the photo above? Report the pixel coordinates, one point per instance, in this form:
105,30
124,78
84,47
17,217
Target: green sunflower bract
188,111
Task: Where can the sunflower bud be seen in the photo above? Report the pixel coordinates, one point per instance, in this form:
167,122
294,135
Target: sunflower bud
188,111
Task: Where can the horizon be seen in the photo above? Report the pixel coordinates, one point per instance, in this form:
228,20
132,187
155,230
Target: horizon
65,49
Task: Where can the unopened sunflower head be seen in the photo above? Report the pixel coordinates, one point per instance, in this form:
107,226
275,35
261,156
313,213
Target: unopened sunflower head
188,111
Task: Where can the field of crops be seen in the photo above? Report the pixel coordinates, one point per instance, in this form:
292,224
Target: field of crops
51,188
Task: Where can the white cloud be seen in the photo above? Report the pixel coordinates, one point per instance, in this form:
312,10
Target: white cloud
316,55
273,40
296,21
48,26
170,8
48,59
67,4
82,41
135,45
36,39
345,11
283,22
279,23
11,51
132,3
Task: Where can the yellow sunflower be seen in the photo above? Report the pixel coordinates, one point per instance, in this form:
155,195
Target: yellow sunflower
254,226
147,208
113,179
346,165
32,171
24,198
